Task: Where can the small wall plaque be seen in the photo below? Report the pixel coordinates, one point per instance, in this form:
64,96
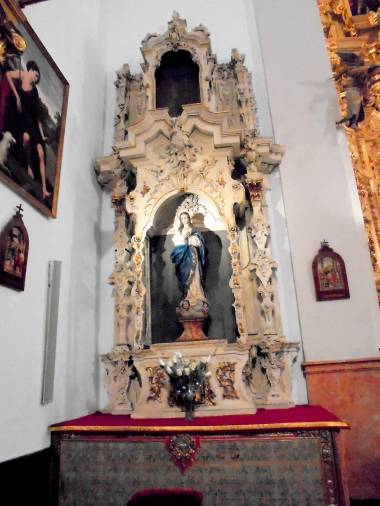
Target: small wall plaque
330,278
14,248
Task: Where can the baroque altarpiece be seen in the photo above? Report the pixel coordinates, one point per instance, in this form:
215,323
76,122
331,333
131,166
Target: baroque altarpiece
193,269
352,29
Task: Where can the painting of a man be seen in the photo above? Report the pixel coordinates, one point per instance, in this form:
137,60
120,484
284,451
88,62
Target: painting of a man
27,127
33,98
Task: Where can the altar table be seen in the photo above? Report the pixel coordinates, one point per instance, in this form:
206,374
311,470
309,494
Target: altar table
274,457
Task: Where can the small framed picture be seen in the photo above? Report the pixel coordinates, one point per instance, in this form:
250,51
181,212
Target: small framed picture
33,103
14,249
329,272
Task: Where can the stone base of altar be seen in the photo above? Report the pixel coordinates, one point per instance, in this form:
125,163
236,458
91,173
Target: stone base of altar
273,457
237,384
228,396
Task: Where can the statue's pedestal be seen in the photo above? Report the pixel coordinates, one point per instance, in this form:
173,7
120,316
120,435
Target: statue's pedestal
192,331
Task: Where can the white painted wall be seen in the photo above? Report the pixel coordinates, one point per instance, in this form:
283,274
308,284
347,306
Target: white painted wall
317,180
70,30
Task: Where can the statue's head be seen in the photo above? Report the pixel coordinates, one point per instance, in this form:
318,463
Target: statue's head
184,220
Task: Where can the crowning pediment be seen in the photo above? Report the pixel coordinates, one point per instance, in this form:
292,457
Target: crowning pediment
158,123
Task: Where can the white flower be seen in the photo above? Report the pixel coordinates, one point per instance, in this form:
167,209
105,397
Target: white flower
186,361
208,374
168,370
161,362
174,359
186,371
193,366
179,372
170,363
179,354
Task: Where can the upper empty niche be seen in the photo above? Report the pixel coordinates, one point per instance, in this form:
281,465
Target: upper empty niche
177,82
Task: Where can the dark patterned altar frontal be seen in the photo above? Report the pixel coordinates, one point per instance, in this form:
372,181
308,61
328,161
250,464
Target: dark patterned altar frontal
227,471
276,457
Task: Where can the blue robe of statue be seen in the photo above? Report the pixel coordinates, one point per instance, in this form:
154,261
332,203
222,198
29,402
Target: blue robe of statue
187,259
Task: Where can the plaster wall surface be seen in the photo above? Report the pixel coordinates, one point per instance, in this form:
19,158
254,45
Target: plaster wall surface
70,32
318,185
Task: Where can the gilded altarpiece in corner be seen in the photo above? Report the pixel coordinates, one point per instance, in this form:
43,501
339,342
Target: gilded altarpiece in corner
352,35
190,179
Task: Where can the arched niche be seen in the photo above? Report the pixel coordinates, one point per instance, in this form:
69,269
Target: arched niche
163,290
177,82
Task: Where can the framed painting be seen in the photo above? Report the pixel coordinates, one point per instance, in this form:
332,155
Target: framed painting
329,272
14,249
33,104
24,3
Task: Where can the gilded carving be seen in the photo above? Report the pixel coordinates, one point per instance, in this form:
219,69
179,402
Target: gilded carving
207,394
157,379
183,449
225,374
357,37
336,14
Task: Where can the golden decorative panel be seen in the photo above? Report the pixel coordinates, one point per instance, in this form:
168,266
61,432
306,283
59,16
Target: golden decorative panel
352,33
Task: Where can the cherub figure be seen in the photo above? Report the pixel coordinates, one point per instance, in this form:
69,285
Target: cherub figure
355,79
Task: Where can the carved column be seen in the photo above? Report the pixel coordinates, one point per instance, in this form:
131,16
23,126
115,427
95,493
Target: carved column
269,367
258,157
123,277
115,176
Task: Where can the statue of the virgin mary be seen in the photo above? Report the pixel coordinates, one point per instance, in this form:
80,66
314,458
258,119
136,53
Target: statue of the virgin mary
189,258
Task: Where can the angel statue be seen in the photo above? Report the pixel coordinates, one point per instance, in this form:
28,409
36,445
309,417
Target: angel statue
189,258
356,79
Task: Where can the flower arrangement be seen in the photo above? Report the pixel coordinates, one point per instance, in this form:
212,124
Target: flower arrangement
188,381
